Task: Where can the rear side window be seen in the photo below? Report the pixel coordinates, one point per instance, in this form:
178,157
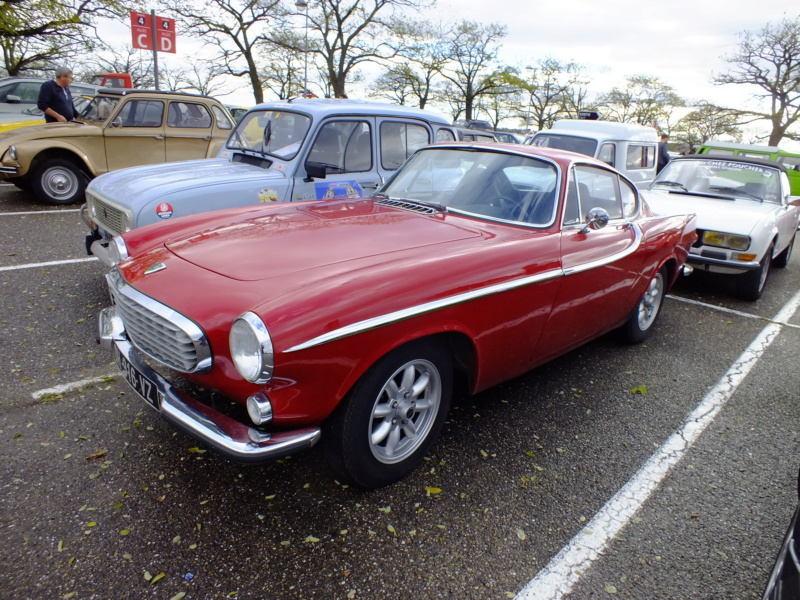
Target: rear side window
608,154
188,115
445,135
718,152
399,141
790,162
223,122
640,157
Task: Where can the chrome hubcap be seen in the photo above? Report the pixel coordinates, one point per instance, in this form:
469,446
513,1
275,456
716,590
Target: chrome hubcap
648,307
59,183
404,411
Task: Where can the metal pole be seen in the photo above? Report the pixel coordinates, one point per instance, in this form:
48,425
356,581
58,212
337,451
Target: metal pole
304,4
155,48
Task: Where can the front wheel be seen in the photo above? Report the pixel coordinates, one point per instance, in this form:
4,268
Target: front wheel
59,181
640,322
751,284
392,416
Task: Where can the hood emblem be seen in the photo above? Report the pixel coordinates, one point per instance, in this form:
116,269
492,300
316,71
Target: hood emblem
154,268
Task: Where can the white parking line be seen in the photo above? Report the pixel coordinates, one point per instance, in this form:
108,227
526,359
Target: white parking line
68,387
40,212
566,568
731,311
53,263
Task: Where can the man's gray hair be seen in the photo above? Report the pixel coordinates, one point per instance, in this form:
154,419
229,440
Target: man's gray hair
61,71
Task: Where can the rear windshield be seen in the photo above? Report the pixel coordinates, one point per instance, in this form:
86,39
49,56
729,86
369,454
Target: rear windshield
572,143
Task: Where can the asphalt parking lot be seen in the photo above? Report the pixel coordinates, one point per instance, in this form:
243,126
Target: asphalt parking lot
521,496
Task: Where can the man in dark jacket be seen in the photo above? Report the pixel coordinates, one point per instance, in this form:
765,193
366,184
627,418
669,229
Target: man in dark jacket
663,153
55,98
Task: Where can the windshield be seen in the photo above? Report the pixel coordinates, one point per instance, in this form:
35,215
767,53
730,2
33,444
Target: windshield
721,177
98,108
572,143
491,184
274,132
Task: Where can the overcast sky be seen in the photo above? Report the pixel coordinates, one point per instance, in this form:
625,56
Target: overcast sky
682,42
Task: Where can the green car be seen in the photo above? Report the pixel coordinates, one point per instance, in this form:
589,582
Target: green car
773,153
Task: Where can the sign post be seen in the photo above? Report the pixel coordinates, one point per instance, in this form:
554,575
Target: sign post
154,33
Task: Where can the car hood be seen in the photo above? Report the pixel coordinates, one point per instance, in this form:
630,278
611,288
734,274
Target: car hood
47,131
142,183
297,240
738,216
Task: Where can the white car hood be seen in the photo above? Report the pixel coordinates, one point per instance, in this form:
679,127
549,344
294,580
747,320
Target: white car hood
147,182
738,216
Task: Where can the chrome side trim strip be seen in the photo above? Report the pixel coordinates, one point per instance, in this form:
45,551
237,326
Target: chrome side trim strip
420,309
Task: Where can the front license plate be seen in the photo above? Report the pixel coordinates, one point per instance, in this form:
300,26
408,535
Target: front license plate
143,386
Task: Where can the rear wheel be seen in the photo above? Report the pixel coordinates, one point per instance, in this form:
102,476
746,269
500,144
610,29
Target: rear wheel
751,284
640,322
392,416
59,181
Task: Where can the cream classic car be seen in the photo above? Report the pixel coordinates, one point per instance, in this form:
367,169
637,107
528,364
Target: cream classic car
116,129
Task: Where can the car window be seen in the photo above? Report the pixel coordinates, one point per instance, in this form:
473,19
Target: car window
223,121
719,152
188,114
28,92
96,109
445,135
790,162
608,154
640,157
597,188
142,113
4,90
78,89
343,147
399,141
571,143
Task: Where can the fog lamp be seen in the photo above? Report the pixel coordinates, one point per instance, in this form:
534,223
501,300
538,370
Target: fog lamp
259,408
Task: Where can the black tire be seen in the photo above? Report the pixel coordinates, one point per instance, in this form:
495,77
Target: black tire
59,181
640,322
751,284
381,432
782,259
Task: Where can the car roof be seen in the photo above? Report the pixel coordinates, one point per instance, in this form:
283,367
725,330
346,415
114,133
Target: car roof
736,159
737,146
322,107
129,92
603,130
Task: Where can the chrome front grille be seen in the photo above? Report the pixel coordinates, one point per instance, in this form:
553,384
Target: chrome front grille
159,331
107,216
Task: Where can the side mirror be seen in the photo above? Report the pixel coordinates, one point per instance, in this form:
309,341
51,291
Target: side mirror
12,99
314,170
116,122
597,218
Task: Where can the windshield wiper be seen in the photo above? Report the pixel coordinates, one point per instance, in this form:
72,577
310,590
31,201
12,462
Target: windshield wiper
673,184
736,191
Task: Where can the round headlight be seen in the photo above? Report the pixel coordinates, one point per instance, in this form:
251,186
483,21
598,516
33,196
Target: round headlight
251,348
12,152
117,250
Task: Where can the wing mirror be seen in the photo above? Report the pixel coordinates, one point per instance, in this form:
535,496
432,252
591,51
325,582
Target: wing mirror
597,218
314,170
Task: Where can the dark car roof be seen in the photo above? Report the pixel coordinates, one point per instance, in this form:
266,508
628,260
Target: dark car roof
733,159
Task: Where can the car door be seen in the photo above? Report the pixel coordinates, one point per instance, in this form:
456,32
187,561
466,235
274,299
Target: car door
135,134
345,149
188,132
601,266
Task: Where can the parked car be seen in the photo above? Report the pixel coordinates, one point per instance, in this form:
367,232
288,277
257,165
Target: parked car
631,149
35,116
746,220
788,159
353,320
237,112
17,94
279,152
784,580
116,129
474,135
505,137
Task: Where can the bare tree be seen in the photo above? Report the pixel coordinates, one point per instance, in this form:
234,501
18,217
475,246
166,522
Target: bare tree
547,90
35,35
344,34
644,100
706,122
282,73
109,59
472,50
235,28
770,60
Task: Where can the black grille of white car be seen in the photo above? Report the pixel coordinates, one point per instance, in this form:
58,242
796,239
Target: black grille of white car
108,217
407,206
159,331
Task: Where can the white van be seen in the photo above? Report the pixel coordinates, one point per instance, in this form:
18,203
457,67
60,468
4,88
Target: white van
631,149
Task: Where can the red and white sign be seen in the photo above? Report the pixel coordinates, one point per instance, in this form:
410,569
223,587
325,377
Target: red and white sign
164,210
142,32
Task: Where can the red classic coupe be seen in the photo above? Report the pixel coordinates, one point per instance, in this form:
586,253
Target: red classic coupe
351,321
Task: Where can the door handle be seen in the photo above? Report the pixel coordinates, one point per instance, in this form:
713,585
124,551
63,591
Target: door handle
371,186
160,136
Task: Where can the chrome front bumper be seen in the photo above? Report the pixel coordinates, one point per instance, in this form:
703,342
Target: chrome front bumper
230,438
709,264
